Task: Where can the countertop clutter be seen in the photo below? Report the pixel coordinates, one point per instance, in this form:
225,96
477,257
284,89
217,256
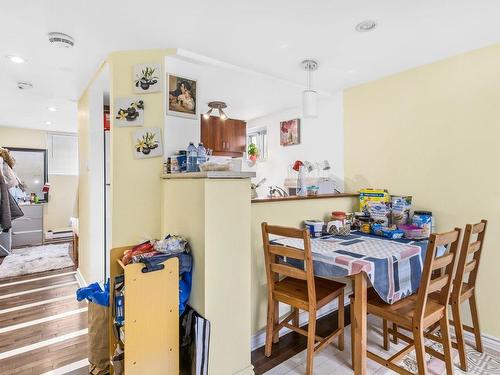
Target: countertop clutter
379,214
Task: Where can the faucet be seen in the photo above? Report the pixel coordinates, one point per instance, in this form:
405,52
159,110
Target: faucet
278,191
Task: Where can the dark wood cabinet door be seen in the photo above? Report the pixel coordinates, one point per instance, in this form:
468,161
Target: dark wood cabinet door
211,133
225,138
235,136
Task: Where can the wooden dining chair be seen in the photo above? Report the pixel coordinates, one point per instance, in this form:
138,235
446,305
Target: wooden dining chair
299,288
420,312
464,289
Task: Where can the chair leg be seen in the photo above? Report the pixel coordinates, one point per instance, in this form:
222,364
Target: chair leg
394,337
295,321
475,322
311,340
385,329
276,336
341,319
270,327
351,311
445,334
459,333
418,337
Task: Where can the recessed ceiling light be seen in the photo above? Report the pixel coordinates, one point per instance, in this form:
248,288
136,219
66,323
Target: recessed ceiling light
52,109
16,59
23,85
48,123
367,25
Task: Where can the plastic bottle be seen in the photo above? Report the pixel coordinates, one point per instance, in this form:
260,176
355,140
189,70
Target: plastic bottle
202,155
192,155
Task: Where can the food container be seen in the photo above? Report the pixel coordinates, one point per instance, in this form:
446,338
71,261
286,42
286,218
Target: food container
400,209
339,215
424,220
315,227
366,228
312,190
412,232
393,234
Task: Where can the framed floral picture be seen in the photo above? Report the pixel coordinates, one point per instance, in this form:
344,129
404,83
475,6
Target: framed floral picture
128,112
147,143
147,78
290,132
182,96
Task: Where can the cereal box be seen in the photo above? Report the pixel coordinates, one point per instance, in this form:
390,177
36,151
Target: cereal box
373,196
401,206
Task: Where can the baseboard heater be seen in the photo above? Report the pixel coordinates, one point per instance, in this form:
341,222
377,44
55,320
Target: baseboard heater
59,235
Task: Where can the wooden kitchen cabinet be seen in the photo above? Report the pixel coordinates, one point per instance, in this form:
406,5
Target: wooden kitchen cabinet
224,137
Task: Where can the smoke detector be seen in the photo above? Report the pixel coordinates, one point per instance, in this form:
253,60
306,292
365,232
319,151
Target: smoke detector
61,40
21,85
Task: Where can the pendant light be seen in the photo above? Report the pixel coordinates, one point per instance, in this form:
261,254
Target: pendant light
309,96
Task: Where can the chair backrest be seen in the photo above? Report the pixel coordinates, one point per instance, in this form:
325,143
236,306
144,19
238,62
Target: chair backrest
440,285
275,268
471,247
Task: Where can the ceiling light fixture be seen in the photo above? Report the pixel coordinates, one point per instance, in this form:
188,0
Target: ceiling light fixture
52,109
309,96
16,59
367,25
48,123
218,106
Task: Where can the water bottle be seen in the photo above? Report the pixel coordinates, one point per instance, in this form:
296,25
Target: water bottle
192,155
202,155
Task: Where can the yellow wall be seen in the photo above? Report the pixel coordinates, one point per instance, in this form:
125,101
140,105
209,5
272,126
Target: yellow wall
292,214
85,260
432,132
135,187
214,215
63,199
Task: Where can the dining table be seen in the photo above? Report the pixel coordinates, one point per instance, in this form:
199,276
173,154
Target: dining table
393,267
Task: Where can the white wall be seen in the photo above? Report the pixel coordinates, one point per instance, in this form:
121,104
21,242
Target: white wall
247,94
321,139
95,167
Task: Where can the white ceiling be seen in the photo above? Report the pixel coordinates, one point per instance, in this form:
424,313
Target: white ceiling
270,37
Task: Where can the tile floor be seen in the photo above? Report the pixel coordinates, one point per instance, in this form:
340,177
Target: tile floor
332,361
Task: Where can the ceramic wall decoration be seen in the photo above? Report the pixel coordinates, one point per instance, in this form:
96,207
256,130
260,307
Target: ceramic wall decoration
147,143
290,132
129,112
147,78
182,96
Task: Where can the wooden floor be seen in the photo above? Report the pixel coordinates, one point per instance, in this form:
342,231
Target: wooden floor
42,326
293,343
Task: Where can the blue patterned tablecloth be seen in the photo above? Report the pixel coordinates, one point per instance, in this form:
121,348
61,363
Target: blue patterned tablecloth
394,267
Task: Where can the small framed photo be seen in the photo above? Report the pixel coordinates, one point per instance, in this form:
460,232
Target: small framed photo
147,78
182,98
128,112
290,132
147,143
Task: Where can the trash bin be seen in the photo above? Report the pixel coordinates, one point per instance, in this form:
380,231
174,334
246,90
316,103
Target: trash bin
98,313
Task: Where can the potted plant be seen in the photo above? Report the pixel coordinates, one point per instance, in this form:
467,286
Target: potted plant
253,153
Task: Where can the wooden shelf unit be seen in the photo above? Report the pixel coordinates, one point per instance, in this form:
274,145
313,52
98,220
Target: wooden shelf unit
151,316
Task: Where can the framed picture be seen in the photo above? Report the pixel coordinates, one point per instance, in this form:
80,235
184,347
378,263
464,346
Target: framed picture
290,132
128,112
147,143
182,98
147,78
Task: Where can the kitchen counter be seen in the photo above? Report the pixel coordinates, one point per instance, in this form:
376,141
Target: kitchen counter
297,198
209,174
